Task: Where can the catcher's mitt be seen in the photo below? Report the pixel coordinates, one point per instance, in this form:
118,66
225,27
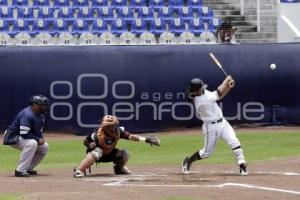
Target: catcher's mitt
153,140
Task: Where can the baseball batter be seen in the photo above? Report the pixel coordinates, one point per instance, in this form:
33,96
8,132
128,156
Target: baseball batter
101,146
214,124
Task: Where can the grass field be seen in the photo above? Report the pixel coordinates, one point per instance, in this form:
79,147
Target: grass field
257,147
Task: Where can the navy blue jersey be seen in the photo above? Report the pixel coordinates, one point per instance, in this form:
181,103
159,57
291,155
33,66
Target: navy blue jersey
28,125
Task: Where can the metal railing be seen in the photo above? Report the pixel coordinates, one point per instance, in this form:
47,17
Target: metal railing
258,13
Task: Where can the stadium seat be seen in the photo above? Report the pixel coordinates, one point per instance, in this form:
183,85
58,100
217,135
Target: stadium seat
208,37
167,38
194,4
42,39
99,3
22,38
40,3
87,39
185,13
138,26
39,26
99,26
4,27
147,38
77,4
79,26
213,24
196,26
125,13
65,38
118,27
145,13
46,13
166,13
61,3
157,26
205,13
106,13
108,38
187,38
59,27
156,4
26,13
3,3
87,14
7,14
176,4
136,4
5,39
20,25
177,26
118,3
67,14
127,38
19,3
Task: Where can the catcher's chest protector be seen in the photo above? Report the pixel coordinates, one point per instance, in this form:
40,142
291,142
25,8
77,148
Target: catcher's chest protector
108,143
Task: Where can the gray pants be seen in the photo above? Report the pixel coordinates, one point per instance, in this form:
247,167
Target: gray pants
32,153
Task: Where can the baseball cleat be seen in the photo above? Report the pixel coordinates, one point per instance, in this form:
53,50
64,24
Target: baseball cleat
121,170
21,174
186,166
243,169
78,173
32,172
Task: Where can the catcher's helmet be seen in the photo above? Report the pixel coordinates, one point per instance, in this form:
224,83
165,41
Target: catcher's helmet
39,99
109,120
196,84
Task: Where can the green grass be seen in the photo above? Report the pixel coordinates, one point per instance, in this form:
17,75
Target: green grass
10,197
257,147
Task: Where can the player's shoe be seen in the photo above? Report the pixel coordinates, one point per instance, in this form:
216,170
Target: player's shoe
32,172
243,169
78,173
21,174
186,166
121,170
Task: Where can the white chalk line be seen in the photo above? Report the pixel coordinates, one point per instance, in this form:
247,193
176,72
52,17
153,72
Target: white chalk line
235,172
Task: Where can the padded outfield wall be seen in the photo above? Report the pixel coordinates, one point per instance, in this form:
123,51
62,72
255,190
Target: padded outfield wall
145,86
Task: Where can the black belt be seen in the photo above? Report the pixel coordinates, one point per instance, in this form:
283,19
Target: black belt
218,121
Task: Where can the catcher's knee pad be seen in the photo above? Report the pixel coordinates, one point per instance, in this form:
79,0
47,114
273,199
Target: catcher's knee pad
97,153
122,156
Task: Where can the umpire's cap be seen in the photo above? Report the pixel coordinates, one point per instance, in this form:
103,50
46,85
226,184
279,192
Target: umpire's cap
39,99
196,84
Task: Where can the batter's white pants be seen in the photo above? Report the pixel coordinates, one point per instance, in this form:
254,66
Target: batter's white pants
212,133
32,153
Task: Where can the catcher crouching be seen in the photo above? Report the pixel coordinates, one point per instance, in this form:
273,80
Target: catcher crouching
101,146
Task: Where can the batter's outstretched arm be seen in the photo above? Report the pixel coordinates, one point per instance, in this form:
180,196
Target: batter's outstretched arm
225,87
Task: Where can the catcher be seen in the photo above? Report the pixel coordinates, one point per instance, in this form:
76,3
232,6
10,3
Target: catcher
101,146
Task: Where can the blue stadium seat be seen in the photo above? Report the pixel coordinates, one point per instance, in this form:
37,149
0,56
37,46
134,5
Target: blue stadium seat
100,3
61,3
59,26
17,3
80,26
118,27
99,26
3,3
46,13
118,3
176,4
138,26
66,13
125,13
39,3
194,4
205,13
4,26
106,13
20,25
157,26
166,13
145,13
213,24
26,13
6,13
196,26
80,3
185,13
86,13
156,4
177,26
137,3
39,26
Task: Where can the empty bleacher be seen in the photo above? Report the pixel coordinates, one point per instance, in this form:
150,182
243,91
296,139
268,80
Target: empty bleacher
91,22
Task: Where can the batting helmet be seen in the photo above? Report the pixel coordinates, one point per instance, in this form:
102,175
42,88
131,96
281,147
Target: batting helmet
39,99
196,84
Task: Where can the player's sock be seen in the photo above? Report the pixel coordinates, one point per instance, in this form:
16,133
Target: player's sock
194,157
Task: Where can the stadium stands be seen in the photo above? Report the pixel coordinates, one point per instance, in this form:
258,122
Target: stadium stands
69,22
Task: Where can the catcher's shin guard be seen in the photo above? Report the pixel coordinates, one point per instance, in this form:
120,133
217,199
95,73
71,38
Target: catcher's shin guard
122,157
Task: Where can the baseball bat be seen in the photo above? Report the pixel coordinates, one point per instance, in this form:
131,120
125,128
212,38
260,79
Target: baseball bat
217,62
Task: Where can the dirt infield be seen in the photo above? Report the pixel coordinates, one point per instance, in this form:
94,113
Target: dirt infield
277,179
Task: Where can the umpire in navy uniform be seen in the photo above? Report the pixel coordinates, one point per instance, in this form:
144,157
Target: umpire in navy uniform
26,134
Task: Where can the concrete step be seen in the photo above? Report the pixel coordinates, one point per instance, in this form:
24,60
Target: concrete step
270,40
268,29
262,17
222,1
246,29
255,35
220,6
242,23
231,17
227,12
264,23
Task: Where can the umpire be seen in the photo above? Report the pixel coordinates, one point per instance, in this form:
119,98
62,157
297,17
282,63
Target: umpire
26,134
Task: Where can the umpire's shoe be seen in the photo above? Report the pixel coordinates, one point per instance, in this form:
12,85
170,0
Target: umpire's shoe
21,174
186,166
243,169
121,170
